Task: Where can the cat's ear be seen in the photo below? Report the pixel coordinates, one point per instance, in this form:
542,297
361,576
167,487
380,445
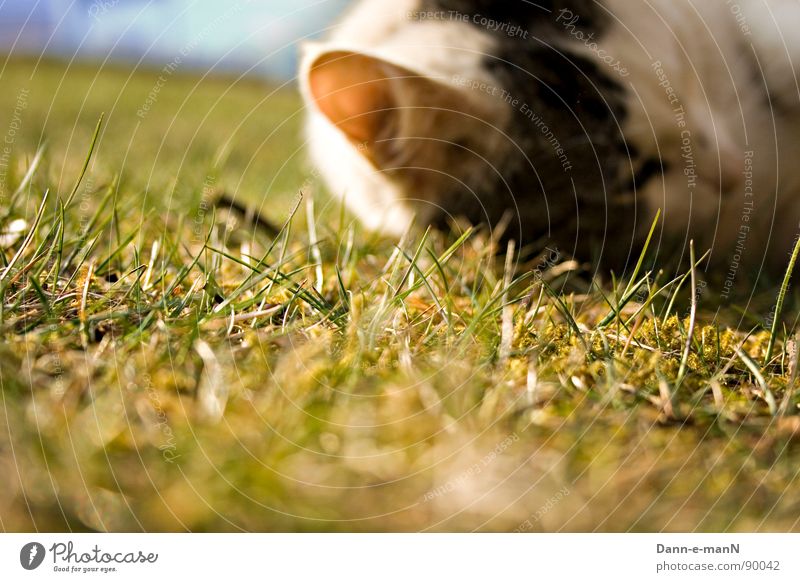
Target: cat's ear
354,92
370,99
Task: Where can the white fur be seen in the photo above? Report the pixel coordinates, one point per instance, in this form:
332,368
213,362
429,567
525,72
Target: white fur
708,58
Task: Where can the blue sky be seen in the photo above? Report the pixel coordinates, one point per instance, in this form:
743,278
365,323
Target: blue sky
228,34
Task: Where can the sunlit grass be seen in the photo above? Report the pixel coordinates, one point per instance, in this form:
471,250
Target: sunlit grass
168,364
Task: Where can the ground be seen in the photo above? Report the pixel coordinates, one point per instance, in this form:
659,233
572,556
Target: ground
167,364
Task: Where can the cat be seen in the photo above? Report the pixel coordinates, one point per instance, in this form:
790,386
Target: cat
574,121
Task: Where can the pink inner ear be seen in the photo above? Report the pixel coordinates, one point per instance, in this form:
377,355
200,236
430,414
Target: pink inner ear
353,92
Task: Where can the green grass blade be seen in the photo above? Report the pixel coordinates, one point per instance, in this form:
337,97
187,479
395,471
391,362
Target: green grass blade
787,277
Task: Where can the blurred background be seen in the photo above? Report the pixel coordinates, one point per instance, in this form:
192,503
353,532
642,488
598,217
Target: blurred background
195,95
242,35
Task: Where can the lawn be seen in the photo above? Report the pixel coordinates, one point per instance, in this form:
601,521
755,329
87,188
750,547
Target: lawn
170,364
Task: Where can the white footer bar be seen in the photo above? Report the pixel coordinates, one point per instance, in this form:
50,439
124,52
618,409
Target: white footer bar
400,557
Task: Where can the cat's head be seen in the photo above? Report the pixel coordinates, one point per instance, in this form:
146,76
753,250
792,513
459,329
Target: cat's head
444,118
399,141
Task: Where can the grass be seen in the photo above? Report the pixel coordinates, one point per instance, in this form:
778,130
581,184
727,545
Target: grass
167,365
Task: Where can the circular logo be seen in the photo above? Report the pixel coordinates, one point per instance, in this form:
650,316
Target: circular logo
31,555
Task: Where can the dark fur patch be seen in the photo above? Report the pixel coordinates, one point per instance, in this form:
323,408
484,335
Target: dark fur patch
574,198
